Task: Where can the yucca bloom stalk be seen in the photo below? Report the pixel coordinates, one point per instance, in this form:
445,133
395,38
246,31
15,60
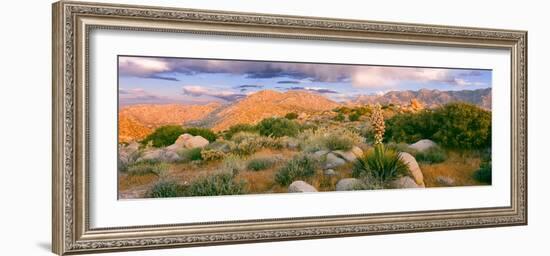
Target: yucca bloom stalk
377,121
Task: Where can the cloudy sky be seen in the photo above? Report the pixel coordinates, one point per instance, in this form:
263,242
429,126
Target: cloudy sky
199,81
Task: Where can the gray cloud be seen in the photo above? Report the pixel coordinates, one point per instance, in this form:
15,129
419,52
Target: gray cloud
198,91
289,82
312,89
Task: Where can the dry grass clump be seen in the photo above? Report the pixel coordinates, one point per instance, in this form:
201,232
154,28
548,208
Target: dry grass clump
126,182
459,167
326,138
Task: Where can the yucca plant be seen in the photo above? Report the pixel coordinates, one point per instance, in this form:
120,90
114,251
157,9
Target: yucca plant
381,164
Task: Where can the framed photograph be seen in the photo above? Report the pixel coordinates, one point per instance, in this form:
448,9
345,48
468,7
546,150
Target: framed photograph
179,127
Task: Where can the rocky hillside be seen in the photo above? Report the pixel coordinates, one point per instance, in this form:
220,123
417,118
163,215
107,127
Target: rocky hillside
136,121
430,98
267,103
129,129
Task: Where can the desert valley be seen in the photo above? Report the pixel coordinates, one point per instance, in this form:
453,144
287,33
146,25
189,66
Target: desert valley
301,141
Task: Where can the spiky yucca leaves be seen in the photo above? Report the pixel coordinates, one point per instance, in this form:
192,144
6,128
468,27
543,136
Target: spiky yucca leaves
378,125
381,164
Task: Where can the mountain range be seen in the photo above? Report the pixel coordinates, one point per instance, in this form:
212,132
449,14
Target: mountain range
137,121
429,98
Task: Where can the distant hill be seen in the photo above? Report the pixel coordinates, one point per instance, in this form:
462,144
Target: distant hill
429,98
136,121
268,103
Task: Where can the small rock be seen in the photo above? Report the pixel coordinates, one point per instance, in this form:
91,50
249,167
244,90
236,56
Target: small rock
445,181
423,145
182,138
300,187
333,161
404,182
319,154
154,154
188,141
347,155
348,184
162,155
329,172
414,169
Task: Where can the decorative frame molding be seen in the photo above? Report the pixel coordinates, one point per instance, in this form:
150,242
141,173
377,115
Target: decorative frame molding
72,23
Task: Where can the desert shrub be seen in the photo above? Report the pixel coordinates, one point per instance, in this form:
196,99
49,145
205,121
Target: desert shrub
329,139
354,116
432,155
308,126
382,164
343,110
463,125
340,117
192,154
211,154
261,163
401,147
164,136
216,185
300,167
147,167
166,188
274,142
220,145
335,142
240,128
484,173
233,164
203,132
278,127
246,143
455,125
291,116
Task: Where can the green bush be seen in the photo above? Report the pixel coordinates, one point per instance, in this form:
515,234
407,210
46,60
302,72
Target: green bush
382,164
432,155
147,167
455,125
192,154
261,163
203,132
484,173
410,127
463,125
354,116
240,128
278,127
164,136
340,117
165,188
216,185
338,142
291,116
300,167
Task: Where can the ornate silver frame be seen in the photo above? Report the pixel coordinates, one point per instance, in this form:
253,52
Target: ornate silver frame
72,22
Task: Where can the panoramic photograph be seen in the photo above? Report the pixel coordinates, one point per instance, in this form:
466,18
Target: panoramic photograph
211,127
